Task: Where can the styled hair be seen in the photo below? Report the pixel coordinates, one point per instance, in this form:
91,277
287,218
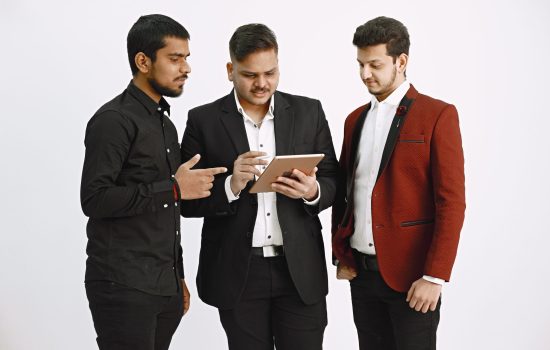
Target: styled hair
147,35
383,30
250,38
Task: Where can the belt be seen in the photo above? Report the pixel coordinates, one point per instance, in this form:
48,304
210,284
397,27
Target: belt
269,251
366,262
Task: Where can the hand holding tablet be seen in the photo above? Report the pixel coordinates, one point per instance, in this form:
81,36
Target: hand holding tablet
283,166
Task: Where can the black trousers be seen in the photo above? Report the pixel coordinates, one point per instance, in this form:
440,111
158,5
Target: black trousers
384,319
126,318
270,312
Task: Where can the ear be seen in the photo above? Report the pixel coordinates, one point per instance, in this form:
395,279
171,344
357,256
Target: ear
143,62
229,67
402,61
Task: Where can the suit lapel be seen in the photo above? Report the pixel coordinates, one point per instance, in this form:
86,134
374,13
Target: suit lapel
284,125
234,124
396,125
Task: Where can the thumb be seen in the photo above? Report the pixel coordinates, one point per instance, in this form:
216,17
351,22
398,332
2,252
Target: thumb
192,162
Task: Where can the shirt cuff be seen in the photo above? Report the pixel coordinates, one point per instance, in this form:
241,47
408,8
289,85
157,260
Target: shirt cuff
434,280
230,196
316,200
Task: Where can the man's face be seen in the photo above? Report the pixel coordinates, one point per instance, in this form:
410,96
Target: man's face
255,78
378,71
170,70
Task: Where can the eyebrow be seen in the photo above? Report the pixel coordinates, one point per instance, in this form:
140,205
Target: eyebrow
376,60
178,54
249,72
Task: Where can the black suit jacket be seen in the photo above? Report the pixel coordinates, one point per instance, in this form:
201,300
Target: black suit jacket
216,131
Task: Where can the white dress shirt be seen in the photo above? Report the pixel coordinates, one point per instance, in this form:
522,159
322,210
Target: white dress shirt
267,230
369,152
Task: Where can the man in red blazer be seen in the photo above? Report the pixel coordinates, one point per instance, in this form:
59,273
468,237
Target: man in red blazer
400,204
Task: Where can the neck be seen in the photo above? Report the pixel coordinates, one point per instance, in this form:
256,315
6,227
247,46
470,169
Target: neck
255,112
397,83
141,82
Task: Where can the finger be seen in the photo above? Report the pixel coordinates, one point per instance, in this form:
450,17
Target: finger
425,307
313,172
418,306
433,305
410,293
215,171
254,161
252,154
289,182
192,162
285,190
299,175
249,169
207,186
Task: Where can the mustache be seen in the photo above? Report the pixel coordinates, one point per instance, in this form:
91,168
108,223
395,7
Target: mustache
185,76
260,90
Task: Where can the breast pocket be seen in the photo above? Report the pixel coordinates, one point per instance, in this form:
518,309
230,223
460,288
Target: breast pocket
411,138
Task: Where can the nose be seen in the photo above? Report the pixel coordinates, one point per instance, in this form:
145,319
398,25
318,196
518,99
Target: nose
185,68
365,72
260,81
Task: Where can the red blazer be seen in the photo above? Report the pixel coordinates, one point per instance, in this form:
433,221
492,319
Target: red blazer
418,200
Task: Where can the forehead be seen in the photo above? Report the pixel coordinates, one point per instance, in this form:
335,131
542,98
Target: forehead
373,52
173,45
258,61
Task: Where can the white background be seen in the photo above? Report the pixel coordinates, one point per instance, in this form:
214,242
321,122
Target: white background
61,60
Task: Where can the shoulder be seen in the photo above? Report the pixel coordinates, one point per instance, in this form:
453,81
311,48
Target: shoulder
295,100
209,109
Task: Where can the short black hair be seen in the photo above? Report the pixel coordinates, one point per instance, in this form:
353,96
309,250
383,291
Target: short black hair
383,30
250,38
147,35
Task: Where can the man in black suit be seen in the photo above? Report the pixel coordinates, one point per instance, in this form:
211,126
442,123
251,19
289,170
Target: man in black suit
262,261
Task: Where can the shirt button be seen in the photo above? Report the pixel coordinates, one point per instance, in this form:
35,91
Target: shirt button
173,176
370,244
168,150
159,109
268,214
176,204
261,145
177,233
165,205
263,167
269,237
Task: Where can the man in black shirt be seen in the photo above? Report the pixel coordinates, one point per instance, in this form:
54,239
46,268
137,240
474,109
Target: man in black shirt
132,183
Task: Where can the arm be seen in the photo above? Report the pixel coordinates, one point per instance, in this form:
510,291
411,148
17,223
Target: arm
447,168
108,140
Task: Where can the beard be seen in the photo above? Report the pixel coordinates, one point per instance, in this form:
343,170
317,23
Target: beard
164,90
385,88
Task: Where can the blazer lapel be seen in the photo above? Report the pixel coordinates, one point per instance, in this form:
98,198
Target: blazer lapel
397,124
234,124
284,125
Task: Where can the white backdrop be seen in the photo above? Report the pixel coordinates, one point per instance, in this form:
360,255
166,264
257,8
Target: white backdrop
61,60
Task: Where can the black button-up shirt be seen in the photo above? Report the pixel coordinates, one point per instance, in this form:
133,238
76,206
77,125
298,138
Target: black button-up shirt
128,192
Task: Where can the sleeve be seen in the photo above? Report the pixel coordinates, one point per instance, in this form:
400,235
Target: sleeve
447,169
108,141
327,168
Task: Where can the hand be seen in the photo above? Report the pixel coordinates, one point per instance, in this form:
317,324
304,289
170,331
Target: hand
196,183
186,296
244,169
344,272
423,295
299,185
